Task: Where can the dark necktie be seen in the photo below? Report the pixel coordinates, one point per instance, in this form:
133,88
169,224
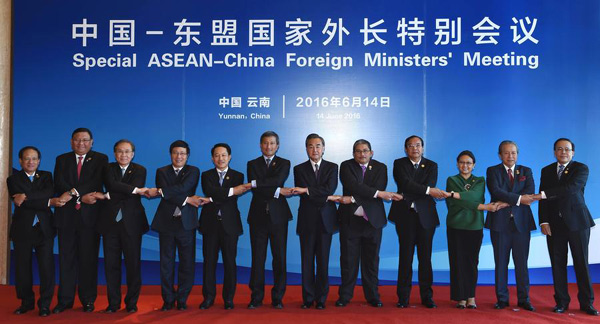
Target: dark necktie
221,177
561,169
317,171
511,178
364,170
35,219
268,163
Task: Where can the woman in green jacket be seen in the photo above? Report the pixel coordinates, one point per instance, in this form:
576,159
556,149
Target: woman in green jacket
464,223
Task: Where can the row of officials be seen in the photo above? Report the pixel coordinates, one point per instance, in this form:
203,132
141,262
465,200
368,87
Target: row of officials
92,197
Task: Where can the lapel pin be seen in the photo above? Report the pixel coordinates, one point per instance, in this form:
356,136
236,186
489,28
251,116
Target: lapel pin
88,159
129,171
37,175
566,171
422,165
227,177
518,172
273,163
370,167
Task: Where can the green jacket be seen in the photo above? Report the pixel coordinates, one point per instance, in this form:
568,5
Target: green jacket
463,213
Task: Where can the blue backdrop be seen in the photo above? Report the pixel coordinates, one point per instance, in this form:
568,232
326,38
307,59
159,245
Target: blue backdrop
537,79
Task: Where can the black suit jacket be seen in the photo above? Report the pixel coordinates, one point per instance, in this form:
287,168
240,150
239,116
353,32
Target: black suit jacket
267,182
121,198
230,214
314,206
565,196
90,180
413,185
38,193
363,191
176,188
500,189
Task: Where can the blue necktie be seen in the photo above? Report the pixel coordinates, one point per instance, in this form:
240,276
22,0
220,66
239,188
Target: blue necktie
561,168
35,219
119,214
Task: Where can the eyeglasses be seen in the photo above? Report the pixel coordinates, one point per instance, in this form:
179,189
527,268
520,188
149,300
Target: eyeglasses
123,152
79,141
564,149
362,151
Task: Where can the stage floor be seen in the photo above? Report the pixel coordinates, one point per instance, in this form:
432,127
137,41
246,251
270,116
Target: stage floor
358,311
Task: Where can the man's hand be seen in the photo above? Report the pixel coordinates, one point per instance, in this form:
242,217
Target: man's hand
386,195
397,197
546,229
65,197
286,191
241,189
334,198
299,190
99,196
141,191
346,200
56,202
89,198
527,199
437,193
19,198
151,193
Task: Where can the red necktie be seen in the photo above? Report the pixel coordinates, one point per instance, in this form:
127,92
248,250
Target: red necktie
79,164
510,177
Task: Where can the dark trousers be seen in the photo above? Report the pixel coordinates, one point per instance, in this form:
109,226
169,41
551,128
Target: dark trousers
314,247
463,254
182,242
23,272
212,242
503,242
118,243
360,243
578,241
260,235
411,234
78,264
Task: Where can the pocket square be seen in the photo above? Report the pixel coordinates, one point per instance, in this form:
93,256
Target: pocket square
522,178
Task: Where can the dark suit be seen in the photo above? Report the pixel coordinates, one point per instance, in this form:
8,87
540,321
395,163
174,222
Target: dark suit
360,239
317,221
176,233
125,236
26,237
220,225
78,241
268,218
510,227
570,221
415,226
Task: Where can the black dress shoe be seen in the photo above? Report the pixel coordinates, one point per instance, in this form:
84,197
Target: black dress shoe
500,305
277,304
429,303
88,307
23,309
228,305
376,303
472,306
45,312
254,304
341,303
461,306
181,305
206,304
132,309
590,310
560,309
526,306
61,308
402,304
306,305
166,306
111,309
320,305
